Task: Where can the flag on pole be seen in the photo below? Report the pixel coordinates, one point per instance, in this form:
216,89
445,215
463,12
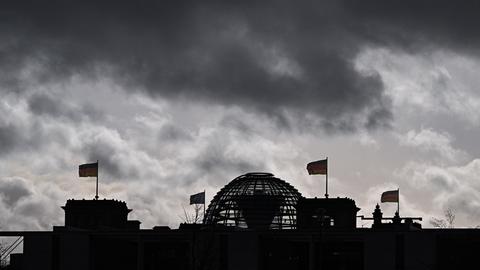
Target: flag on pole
317,167
88,170
198,198
390,196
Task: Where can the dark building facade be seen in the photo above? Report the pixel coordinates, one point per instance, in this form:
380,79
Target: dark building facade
98,215
326,213
255,201
321,235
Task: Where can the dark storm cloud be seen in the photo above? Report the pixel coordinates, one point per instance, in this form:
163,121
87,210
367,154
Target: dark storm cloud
9,138
232,122
17,137
25,205
112,161
216,159
12,190
413,24
173,133
21,133
279,58
45,105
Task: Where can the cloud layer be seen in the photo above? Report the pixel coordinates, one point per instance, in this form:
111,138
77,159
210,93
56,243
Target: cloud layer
240,55
174,97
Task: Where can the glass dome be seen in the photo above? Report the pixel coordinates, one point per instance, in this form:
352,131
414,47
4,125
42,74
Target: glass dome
255,201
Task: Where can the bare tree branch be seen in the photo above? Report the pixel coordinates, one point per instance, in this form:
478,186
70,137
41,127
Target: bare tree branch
195,217
450,217
447,222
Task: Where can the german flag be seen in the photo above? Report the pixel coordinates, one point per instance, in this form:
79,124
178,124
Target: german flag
318,167
88,170
390,196
198,198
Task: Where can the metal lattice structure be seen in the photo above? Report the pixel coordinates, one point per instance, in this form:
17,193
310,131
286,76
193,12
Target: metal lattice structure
255,201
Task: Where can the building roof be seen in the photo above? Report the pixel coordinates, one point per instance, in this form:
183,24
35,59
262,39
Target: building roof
254,201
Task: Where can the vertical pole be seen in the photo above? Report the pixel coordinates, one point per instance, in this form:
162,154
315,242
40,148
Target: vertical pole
326,182
398,202
204,197
96,190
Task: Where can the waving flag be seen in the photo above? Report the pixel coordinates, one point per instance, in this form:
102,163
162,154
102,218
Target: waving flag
318,167
390,196
198,198
88,170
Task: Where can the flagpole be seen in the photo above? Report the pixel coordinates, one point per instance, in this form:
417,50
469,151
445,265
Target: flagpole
204,197
326,182
96,190
398,202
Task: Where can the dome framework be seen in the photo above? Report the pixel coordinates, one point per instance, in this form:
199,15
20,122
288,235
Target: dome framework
255,201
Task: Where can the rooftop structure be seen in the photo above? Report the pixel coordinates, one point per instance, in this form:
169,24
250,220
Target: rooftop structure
283,230
313,213
98,214
255,201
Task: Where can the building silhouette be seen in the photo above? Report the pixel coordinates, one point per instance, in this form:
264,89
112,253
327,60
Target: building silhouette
257,221
255,200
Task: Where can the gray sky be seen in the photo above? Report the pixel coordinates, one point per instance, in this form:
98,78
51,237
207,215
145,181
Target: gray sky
174,97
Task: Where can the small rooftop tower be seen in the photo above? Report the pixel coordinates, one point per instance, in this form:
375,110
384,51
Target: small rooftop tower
313,213
98,214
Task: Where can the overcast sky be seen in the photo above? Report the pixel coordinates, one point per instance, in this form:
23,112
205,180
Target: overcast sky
174,97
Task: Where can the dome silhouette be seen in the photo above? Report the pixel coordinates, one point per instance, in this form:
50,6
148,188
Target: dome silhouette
254,201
